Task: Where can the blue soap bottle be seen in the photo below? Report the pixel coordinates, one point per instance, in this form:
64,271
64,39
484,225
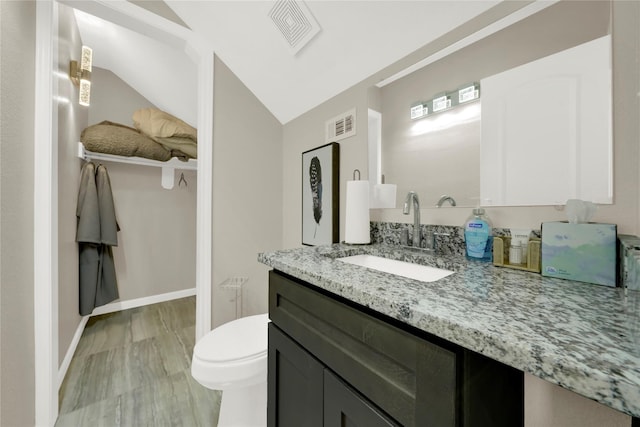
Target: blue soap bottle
478,236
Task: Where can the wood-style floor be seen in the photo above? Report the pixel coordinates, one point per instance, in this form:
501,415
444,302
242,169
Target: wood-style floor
132,368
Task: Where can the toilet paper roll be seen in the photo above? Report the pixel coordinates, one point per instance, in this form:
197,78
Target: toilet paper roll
382,196
356,228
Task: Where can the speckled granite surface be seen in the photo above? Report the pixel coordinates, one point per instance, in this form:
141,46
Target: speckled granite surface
583,337
449,239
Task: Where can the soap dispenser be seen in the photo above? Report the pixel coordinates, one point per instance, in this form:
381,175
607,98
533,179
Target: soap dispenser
478,236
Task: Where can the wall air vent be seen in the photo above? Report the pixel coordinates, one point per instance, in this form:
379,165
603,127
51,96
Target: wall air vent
341,127
295,22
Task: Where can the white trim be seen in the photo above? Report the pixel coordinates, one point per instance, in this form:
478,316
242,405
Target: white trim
204,195
45,220
140,302
510,19
374,142
64,366
135,18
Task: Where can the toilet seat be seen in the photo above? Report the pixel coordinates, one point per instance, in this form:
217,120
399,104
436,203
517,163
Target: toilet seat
233,355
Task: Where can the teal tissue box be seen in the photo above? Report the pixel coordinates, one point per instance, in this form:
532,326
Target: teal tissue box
582,252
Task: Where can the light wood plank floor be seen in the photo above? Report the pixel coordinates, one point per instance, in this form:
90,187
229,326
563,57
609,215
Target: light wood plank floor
132,368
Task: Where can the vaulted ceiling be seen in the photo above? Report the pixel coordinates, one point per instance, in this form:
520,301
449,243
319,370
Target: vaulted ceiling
355,40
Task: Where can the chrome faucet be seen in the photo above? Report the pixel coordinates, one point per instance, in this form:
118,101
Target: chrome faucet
445,198
412,196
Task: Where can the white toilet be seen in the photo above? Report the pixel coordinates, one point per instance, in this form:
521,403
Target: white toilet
233,358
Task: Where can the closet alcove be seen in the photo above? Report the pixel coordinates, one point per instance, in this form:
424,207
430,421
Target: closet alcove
156,254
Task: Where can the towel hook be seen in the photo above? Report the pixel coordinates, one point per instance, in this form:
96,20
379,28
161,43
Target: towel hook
182,180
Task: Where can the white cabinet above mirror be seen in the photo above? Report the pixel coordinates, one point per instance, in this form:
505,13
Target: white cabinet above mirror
546,130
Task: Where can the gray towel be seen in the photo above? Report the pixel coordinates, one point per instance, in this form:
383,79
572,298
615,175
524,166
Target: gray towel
108,222
88,210
96,233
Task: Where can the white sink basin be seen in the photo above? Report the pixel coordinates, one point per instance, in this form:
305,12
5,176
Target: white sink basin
406,269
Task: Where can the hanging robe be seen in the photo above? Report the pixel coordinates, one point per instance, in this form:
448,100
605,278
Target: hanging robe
96,234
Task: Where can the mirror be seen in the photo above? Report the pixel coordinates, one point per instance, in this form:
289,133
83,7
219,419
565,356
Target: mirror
440,154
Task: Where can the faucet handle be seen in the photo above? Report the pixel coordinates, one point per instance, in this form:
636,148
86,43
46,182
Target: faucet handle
430,240
404,237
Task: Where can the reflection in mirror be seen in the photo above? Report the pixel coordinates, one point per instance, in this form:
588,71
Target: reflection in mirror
557,111
445,148
440,154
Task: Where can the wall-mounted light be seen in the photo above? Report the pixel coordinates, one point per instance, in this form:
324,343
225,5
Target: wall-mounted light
80,75
441,103
445,101
419,110
469,93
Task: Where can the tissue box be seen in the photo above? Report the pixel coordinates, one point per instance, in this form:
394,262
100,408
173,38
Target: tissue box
582,252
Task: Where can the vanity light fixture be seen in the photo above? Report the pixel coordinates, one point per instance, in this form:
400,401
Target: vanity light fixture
445,101
419,110
441,103
469,93
80,75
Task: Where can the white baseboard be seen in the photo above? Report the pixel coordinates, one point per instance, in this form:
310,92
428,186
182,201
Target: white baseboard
112,308
62,371
139,302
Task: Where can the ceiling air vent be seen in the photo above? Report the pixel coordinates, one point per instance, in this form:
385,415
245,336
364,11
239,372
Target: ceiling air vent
295,22
342,126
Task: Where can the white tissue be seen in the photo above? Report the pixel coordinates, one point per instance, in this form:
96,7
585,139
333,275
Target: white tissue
382,196
356,228
579,211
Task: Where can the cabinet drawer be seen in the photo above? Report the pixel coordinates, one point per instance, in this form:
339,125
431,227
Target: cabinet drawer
391,367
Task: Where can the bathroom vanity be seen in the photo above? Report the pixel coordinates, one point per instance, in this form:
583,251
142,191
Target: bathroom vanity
349,344
374,371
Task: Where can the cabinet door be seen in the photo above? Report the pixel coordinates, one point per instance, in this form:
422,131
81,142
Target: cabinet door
552,113
295,383
492,393
344,407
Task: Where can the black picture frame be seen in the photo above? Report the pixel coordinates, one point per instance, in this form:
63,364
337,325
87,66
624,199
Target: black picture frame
321,195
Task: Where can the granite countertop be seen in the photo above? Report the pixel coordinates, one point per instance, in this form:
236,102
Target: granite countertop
583,337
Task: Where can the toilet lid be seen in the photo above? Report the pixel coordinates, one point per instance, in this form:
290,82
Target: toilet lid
239,339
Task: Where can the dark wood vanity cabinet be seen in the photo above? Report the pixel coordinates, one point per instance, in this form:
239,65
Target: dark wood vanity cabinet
307,394
335,363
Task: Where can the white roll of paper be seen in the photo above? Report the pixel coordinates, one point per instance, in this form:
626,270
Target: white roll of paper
356,229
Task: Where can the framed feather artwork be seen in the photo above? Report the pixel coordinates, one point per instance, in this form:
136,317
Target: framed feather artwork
321,195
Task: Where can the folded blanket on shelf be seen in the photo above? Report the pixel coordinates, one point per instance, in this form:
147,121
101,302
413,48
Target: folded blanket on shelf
114,138
167,130
184,145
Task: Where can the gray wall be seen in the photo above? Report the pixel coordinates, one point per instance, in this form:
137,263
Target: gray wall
72,118
247,193
17,38
157,242
546,404
307,132
112,99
